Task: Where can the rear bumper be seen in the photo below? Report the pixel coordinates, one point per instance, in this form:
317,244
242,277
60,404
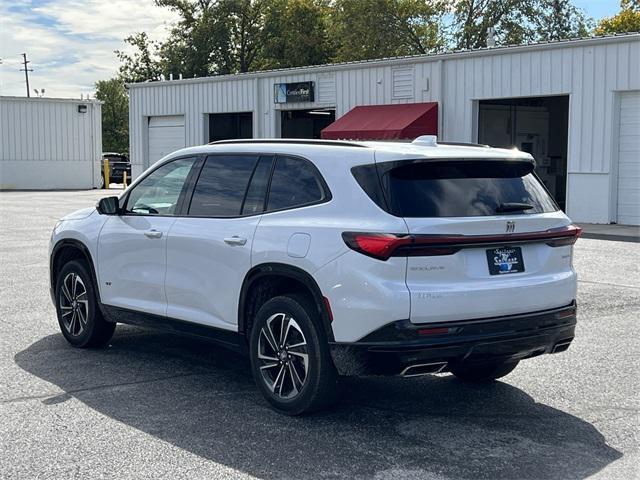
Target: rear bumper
393,348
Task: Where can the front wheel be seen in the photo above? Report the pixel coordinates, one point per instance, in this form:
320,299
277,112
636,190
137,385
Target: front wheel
485,372
80,319
290,357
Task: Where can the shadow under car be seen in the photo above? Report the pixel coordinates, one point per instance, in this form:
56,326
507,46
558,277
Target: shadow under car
201,398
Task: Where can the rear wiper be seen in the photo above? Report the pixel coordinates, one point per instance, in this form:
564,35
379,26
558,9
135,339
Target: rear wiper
513,207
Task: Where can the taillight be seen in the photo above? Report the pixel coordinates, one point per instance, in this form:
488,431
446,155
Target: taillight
569,236
432,331
385,245
376,245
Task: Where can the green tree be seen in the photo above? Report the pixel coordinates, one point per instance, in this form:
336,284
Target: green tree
189,47
213,37
217,37
627,20
517,21
142,64
560,19
296,33
508,18
366,29
115,115
244,20
209,38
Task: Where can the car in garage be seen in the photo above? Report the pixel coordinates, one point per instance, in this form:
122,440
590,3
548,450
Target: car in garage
118,164
326,258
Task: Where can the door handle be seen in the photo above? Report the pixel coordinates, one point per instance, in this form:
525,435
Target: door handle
235,240
153,233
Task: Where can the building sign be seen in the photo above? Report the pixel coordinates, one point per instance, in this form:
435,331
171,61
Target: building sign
293,92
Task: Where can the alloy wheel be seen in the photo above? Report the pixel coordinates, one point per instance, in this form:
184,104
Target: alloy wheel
74,304
283,355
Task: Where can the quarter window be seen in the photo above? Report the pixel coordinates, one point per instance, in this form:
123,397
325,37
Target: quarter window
159,192
222,185
294,183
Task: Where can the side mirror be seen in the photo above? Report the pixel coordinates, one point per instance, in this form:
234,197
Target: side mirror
108,206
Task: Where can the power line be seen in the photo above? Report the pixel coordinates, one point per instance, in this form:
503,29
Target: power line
26,72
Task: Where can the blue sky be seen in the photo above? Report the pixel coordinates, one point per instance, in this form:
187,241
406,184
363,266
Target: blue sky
70,42
598,8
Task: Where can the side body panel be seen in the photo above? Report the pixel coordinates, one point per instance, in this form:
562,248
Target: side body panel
132,265
83,227
205,272
364,293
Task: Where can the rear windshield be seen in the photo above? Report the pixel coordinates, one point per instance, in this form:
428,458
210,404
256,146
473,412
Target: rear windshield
455,188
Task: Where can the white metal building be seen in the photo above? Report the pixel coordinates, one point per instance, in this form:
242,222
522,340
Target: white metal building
49,143
575,105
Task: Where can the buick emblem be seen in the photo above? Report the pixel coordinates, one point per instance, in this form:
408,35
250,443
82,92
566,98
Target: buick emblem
511,226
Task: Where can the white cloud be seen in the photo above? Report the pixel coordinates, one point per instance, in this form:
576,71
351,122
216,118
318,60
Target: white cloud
108,19
70,43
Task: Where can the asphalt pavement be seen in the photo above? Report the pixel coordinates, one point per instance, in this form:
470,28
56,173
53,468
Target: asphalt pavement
155,406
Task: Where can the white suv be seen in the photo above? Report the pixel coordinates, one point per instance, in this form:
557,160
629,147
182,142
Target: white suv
321,259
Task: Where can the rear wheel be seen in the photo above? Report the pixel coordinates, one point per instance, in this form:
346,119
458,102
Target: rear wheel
290,357
79,317
485,372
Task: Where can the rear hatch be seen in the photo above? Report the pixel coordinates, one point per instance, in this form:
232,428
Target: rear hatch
486,239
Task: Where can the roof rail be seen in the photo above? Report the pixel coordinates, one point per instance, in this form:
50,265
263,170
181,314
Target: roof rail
464,144
299,141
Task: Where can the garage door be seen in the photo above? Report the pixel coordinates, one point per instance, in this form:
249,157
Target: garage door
166,135
629,159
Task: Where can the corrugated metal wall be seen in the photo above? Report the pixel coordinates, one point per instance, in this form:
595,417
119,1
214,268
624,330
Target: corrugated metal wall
47,143
589,74
590,71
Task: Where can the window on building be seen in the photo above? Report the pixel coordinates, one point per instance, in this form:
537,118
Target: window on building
229,126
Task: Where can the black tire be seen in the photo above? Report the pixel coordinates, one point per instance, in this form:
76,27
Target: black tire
485,372
319,388
102,184
71,309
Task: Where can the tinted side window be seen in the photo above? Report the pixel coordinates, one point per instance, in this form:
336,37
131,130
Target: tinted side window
254,201
159,192
222,185
294,183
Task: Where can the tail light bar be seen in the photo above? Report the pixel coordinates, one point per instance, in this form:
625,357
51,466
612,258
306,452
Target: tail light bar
376,245
385,245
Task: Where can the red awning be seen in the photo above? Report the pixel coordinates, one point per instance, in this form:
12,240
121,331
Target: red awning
385,122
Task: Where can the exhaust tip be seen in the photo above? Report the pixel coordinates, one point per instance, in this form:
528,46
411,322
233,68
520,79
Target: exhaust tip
561,346
423,369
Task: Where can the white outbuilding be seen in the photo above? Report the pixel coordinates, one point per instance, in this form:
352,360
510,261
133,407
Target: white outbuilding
574,105
49,143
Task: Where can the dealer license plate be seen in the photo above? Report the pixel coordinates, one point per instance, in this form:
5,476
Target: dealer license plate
505,260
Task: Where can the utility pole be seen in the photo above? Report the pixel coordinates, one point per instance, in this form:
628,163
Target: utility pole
26,72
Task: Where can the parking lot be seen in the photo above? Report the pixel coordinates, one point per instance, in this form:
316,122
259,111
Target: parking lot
152,405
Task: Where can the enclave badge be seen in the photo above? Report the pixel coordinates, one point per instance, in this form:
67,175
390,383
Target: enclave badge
511,226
